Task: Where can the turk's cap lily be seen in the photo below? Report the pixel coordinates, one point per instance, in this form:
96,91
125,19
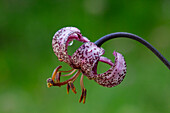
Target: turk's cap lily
87,56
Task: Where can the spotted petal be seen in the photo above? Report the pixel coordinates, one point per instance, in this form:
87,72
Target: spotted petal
86,57
61,40
115,74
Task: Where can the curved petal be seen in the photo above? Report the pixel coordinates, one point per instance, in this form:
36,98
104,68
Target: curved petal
86,57
61,40
115,74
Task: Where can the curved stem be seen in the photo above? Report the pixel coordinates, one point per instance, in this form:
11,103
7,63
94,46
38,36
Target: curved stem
134,37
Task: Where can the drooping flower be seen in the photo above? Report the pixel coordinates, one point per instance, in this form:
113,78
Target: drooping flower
86,57
85,61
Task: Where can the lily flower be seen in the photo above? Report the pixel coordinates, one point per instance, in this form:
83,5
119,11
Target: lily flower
86,58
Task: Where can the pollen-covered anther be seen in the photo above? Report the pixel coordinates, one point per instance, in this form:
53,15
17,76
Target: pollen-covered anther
71,85
68,88
49,82
84,91
83,96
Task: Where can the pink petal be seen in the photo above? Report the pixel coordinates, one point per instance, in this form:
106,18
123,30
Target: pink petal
115,74
86,57
61,39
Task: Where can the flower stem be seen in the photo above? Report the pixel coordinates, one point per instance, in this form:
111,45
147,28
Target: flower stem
103,39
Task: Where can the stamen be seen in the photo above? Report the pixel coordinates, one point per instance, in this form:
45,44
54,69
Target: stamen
67,71
75,78
57,78
72,87
73,70
83,94
71,79
81,81
68,88
81,98
49,82
55,72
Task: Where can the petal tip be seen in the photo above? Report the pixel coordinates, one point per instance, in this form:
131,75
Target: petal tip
114,53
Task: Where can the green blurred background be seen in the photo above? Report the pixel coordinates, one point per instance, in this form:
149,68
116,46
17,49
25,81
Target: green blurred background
27,59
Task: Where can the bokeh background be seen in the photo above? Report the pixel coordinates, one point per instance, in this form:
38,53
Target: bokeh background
27,59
